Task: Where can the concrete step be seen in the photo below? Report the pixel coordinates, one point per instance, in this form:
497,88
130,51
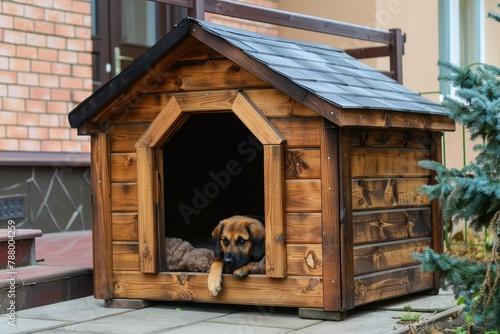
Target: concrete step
17,247
62,272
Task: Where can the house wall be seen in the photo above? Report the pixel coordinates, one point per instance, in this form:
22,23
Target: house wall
45,71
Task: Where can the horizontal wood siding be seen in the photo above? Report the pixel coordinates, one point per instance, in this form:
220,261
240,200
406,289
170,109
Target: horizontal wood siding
294,291
390,219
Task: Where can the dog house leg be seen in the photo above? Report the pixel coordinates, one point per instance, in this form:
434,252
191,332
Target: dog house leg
320,314
127,303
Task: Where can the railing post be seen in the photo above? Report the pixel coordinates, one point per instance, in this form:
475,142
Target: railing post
396,51
198,10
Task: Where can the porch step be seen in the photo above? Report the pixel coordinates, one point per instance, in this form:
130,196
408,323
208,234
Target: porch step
62,272
17,248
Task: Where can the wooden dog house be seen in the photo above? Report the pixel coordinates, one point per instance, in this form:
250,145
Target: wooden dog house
214,121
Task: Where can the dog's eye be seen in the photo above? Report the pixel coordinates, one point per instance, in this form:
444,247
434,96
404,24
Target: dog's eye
225,242
240,241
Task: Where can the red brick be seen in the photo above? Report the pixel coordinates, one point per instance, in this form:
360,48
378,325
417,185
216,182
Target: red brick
29,145
35,13
6,21
71,82
27,78
17,64
49,80
65,30
24,51
79,95
81,71
49,120
12,8
40,93
84,58
64,5
28,119
4,63
9,145
60,94
7,50
8,117
8,77
56,42
45,27
14,104
18,91
54,15
76,44
24,24
70,57
40,66
36,132
82,7
73,19
36,39
51,146
59,133
36,106
56,107
47,54
19,132
2,131
14,37
61,69
83,32
85,146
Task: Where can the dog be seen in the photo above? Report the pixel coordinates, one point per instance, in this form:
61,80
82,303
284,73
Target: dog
239,244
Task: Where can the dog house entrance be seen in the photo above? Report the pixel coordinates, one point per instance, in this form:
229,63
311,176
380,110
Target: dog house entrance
213,168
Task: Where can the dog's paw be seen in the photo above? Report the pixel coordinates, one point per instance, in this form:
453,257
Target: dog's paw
214,285
240,272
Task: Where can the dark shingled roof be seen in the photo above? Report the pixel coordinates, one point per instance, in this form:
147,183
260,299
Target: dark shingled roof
327,72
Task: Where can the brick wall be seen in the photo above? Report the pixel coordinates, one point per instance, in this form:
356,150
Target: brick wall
259,27
45,71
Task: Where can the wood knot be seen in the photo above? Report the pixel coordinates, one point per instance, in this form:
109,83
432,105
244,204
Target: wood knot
182,279
361,289
311,260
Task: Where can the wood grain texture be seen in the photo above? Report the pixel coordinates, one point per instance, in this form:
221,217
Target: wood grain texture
389,255
124,197
147,210
391,138
274,198
299,132
369,162
303,195
124,167
125,226
123,138
294,291
101,216
389,225
332,241
302,164
304,260
392,283
125,256
388,193
303,228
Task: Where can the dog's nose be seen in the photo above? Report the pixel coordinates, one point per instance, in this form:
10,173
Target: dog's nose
229,260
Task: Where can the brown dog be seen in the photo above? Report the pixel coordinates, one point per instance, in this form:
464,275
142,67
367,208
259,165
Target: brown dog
239,242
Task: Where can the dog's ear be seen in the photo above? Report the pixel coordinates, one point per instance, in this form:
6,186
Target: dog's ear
258,238
216,233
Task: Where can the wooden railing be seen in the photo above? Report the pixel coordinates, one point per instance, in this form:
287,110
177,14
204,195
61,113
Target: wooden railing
392,39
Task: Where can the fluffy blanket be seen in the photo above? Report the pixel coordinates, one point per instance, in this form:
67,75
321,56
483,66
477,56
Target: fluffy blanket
182,256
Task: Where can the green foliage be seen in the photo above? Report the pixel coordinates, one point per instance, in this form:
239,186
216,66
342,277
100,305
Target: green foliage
472,193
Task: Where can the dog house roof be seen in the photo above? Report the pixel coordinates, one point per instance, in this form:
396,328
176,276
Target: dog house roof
323,71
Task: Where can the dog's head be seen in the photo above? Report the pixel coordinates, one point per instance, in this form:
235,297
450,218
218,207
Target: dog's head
240,239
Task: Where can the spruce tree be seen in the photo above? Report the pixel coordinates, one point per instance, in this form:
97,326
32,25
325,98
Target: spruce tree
472,193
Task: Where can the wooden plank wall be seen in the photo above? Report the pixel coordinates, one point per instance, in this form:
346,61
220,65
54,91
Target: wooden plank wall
220,78
390,219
